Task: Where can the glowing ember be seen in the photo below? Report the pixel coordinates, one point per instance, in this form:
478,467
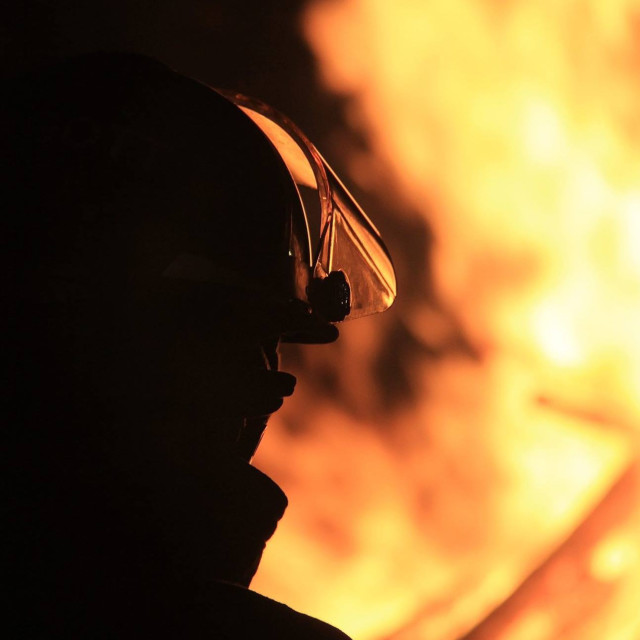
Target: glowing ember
512,128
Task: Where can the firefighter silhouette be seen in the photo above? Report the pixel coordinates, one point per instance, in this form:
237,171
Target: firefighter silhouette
160,239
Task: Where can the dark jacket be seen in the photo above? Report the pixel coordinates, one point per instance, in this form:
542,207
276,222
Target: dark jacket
90,554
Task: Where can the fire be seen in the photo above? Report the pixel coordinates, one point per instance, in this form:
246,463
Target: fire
512,128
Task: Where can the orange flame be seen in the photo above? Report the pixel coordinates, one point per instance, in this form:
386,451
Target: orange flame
512,128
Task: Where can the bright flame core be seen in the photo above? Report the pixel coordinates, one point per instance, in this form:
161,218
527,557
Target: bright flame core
513,128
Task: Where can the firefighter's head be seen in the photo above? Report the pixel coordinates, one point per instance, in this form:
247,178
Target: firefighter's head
161,232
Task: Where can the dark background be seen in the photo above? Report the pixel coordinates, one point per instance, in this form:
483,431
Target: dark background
253,47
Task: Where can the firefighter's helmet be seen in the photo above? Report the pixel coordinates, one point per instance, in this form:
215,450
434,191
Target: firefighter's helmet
167,180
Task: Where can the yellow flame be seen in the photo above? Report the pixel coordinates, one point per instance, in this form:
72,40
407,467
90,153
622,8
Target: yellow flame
615,556
512,127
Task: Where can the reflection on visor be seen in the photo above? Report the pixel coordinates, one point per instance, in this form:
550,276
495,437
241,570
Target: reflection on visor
347,240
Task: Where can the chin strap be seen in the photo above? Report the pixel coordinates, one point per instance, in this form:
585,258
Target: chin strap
250,437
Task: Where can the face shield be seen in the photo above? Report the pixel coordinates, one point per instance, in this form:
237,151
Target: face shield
351,270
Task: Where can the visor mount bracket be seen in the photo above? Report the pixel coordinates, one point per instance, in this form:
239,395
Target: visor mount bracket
330,297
